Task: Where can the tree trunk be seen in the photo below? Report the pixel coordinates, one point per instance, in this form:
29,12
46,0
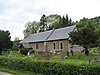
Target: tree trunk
86,51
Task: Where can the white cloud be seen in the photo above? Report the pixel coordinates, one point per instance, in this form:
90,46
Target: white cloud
16,13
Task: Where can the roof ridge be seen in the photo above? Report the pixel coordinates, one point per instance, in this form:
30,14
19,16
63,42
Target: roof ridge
50,34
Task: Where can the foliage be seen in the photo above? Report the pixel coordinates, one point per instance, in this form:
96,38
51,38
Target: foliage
66,21
24,51
94,21
5,42
32,27
82,22
16,44
86,37
49,68
17,72
43,23
54,21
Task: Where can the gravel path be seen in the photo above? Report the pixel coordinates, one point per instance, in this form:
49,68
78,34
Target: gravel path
4,73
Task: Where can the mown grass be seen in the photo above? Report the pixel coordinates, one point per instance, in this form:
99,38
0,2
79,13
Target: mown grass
77,58
16,72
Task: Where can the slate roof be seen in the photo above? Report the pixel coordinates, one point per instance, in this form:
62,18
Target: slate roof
61,33
57,34
37,37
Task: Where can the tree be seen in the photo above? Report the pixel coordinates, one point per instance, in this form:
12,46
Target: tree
5,42
43,23
54,21
66,21
32,27
16,44
86,37
82,22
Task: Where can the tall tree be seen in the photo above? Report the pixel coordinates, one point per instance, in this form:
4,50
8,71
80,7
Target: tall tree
32,27
86,37
16,44
5,42
70,21
63,22
54,21
43,23
67,20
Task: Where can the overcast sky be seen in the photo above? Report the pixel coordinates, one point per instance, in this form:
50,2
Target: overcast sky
15,13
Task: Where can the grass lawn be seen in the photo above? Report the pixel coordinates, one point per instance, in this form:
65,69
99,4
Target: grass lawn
15,72
78,58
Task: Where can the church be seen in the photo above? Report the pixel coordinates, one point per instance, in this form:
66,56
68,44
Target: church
53,40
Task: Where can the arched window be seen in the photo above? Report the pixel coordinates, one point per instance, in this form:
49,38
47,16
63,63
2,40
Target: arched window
36,46
54,46
61,45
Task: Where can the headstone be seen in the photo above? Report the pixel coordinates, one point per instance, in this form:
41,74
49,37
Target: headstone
10,53
72,52
67,53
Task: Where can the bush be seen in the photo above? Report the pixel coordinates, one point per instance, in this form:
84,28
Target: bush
49,68
24,51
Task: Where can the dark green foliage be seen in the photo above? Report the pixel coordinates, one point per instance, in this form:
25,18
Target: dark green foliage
86,37
24,51
49,68
16,44
65,22
53,21
5,42
43,23
82,22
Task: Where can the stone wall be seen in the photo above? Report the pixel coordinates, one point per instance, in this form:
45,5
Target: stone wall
50,46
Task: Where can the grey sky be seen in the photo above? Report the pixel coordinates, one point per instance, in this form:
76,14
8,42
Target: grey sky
15,13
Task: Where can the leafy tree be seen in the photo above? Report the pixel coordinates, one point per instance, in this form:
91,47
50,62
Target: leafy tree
54,21
32,27
86,37
16,44
82,22
5,42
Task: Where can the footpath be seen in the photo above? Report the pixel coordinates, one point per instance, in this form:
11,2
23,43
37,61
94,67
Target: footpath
4,73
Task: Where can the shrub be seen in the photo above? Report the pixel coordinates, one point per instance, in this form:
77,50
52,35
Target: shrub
24,51
49,68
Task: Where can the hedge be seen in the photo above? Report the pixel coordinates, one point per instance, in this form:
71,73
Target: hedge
24,51
49,68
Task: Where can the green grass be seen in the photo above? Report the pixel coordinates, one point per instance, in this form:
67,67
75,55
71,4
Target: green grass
15,72
78,58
